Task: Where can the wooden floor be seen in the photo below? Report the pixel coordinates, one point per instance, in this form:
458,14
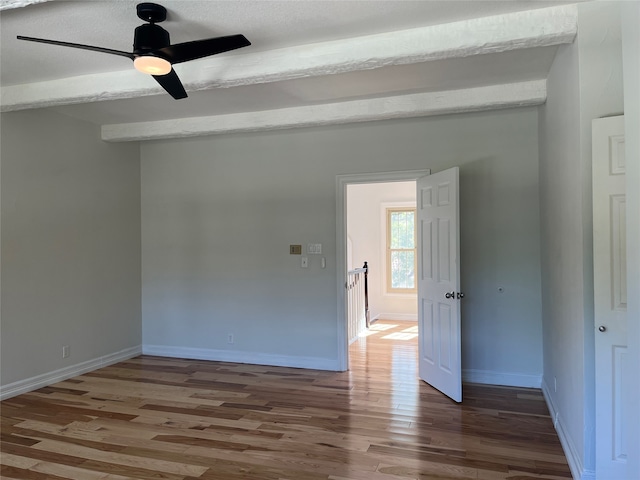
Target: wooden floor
159,418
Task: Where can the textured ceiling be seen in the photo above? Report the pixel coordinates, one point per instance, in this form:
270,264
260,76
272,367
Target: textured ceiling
292,27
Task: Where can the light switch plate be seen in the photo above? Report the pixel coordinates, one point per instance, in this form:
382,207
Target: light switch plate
295,249
314,248
304,262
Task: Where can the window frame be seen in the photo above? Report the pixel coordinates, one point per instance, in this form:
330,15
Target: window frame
389,289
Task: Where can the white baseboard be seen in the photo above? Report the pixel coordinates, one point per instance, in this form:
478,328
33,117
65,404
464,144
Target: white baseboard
574,460
49,378
413,317
234,356
501,378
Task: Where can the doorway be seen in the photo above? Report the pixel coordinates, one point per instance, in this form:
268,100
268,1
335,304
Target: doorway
342,186
381,232
435,234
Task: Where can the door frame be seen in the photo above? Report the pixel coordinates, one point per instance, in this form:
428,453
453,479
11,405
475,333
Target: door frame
341,244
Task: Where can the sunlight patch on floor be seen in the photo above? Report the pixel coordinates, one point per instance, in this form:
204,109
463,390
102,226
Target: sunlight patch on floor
400,336
382,326
411,330
375,328
367,333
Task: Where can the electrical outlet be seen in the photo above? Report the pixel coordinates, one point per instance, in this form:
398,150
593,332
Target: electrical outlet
230,338
66,351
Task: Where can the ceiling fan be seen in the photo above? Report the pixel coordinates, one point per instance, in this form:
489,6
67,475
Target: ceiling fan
152,50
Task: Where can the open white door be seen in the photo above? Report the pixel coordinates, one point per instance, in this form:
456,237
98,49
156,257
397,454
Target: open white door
610,294
439,282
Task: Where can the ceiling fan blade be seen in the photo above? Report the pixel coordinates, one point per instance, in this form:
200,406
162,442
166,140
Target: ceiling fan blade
172,84
78,45
183,52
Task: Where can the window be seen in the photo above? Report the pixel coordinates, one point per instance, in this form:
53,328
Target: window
401,250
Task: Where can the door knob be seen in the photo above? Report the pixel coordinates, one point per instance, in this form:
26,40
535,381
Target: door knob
602,328
450,295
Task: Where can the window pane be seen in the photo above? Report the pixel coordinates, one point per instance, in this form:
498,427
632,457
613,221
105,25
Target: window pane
402,229
401,249
402,274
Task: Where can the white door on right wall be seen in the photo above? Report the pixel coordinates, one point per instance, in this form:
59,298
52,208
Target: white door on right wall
610,294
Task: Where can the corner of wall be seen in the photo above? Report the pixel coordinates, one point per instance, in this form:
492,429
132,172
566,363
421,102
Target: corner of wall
578,472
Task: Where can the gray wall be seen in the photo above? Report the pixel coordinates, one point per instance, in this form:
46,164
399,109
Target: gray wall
585,82
70,244
562,244
219,213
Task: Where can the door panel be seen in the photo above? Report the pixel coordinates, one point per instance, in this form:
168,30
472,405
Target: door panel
426,333
439,274
424,242
444,254
610,294
446,338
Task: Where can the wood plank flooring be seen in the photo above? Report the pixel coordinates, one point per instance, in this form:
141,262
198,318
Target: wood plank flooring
174,419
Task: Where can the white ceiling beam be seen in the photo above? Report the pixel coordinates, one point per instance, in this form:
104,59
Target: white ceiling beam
403,106
11,4
500,33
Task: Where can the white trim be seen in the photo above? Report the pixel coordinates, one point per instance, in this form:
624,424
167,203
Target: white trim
341,244
631,80
490,377
578,471
49,378
254,358
411,317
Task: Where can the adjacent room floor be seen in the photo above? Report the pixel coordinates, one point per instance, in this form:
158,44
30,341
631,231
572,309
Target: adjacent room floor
161,418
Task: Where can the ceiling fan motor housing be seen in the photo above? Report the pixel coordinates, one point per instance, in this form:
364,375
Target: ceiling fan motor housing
149,37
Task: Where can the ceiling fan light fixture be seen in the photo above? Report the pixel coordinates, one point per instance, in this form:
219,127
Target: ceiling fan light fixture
152,65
